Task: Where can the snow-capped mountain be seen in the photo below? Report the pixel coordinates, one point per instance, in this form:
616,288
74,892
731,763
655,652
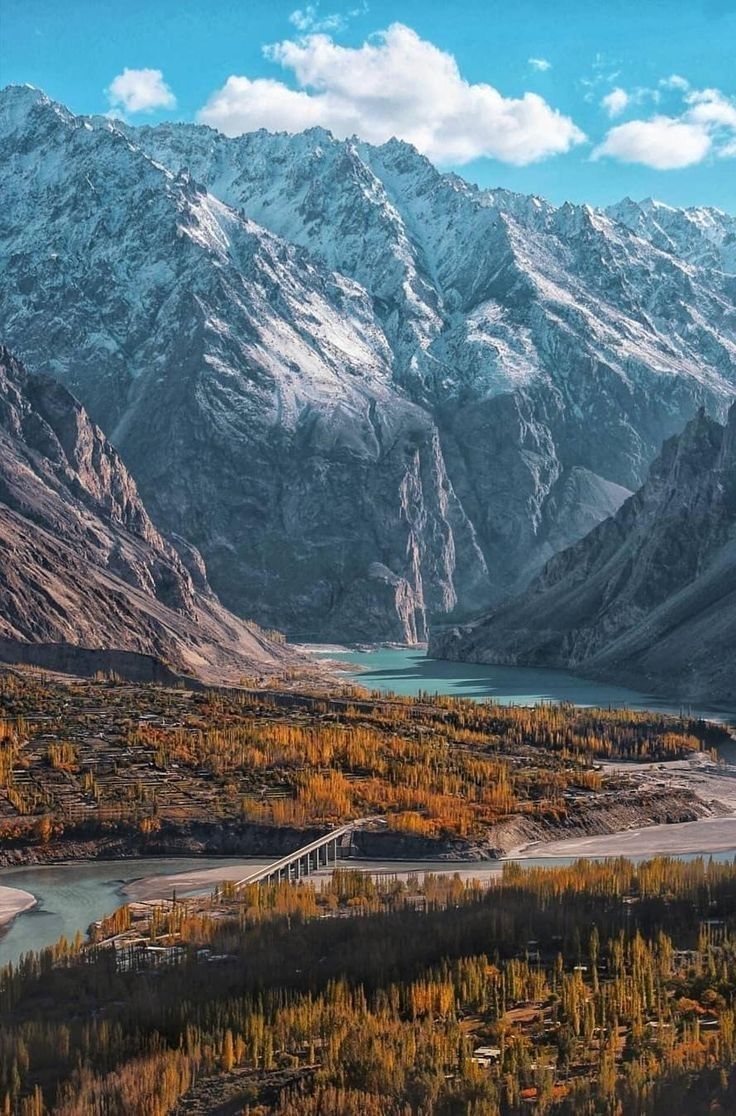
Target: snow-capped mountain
700,235
369,393
649,596
82,564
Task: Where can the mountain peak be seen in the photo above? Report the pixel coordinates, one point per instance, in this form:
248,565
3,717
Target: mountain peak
23,91
320,134
317,355
18,103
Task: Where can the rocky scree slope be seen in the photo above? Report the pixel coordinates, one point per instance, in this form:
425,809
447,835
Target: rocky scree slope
649,596
81,563
393,397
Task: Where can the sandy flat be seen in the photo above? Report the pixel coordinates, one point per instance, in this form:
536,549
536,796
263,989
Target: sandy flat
198,881
191,882
704,836
12,902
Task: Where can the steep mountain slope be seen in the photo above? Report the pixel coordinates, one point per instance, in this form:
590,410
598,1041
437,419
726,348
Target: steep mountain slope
249,390
649,596
542,340
81,562
395,403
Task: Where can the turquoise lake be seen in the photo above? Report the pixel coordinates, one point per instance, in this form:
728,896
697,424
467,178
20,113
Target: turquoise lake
408,671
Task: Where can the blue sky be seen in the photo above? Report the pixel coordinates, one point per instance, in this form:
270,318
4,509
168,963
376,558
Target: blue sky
573,100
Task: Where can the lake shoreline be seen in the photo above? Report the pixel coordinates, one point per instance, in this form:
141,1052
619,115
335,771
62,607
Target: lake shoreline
618,677
407,671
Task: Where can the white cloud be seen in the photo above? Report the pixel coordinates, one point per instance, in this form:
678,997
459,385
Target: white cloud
663,143
619,99
615,102
140,91
675,81
309,19
706,123
711,107
395,84
540,64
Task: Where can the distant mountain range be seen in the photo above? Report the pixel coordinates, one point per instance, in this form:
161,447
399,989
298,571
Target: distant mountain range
649,596
81,563
371,394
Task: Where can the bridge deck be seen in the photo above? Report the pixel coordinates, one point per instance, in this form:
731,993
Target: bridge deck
305,854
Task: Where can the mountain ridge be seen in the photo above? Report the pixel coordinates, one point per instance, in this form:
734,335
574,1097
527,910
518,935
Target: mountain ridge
391,404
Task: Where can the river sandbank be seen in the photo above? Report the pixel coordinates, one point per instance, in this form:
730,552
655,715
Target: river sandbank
13,901
152,888
197,882
190,882
707,835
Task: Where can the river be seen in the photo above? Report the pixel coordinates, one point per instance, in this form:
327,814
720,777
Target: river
70,897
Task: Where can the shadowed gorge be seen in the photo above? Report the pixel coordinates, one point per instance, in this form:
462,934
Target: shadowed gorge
649,597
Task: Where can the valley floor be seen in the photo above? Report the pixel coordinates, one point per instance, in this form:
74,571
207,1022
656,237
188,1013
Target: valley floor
713,784
107,770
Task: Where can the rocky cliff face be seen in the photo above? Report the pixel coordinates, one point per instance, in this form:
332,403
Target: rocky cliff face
649,596
82,564
249,388
392,397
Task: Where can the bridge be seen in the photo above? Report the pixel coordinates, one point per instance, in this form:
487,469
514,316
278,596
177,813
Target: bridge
322,853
